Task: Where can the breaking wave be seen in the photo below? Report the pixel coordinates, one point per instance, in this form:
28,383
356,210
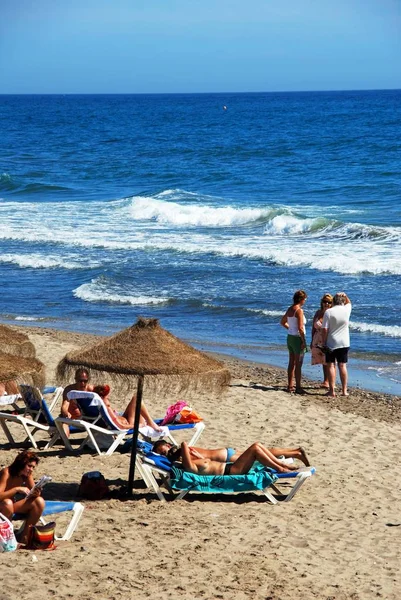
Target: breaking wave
98,290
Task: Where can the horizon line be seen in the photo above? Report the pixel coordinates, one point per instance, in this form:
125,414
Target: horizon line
196,93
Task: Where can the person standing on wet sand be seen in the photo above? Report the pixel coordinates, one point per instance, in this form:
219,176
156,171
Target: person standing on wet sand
318,356
294,321
336,337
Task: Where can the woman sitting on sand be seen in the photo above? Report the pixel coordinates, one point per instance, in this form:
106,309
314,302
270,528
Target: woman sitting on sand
126,420
16,481
228,461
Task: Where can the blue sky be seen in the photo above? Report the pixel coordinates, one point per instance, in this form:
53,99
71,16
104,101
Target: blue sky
167,46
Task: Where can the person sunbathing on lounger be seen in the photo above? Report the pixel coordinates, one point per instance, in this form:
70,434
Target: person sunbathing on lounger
228,461
126,420
69,408
16,481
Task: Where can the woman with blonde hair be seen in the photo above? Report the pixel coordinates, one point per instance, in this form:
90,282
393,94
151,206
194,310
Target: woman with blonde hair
318,356
294,321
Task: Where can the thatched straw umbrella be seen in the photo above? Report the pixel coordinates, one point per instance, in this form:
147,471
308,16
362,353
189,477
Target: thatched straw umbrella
22,370
146,349
15,342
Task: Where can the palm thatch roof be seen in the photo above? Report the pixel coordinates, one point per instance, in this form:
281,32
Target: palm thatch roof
14,342
146,349
22,370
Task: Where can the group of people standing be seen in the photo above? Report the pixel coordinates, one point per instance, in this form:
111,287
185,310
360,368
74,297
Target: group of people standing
330,340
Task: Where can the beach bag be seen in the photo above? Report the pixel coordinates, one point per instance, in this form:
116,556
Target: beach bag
93,486
173,411
187,415
8,542
41,537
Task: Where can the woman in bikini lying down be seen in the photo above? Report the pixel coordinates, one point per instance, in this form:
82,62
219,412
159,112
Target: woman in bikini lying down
225,461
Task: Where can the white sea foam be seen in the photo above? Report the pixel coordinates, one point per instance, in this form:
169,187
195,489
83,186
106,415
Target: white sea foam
290,224
148,224
388,330
351,258
173,213
177,194
267,313
38,261
98,292
22,318
391,372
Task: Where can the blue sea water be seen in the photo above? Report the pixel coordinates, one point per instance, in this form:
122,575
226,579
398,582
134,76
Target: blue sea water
206,211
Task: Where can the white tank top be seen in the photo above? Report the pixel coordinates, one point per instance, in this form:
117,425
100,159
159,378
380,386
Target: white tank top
293,325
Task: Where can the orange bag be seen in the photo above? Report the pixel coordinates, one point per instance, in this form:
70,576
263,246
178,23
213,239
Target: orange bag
187,415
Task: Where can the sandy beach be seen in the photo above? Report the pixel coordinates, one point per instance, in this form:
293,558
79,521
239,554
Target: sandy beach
339,538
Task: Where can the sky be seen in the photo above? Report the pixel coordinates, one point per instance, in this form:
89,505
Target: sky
189,46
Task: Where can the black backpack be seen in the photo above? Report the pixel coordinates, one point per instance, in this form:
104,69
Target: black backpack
93,486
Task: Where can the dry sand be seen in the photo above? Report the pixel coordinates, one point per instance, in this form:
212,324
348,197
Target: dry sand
339,538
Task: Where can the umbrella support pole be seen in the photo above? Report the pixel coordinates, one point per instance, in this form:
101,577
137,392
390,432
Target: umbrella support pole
135,434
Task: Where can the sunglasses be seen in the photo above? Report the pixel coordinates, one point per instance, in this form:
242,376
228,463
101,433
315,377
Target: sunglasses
327,302
83,380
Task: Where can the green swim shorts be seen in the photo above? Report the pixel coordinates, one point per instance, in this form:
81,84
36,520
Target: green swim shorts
294,344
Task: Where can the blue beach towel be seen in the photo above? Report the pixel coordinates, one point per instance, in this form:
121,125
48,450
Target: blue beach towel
256,479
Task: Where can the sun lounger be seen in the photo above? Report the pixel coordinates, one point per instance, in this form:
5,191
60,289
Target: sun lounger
37,416
56,507
101,432
10,400
151,465
33,400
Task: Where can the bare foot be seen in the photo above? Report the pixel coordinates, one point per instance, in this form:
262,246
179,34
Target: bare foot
304,458
330,395
22,541
345,394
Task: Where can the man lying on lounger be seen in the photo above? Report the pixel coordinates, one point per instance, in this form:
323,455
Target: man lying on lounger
227,461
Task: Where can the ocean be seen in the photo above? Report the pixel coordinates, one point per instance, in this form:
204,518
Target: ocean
206,211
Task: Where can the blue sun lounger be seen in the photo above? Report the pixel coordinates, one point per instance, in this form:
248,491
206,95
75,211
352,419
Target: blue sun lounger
260,478
97,424
37,416
53,507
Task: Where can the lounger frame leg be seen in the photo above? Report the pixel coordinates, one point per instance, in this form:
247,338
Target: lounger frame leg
299,481
150,480
199,427
63,435
29,435
72,525
7,432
